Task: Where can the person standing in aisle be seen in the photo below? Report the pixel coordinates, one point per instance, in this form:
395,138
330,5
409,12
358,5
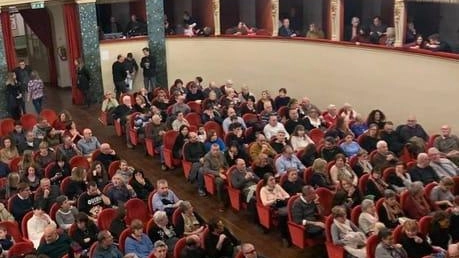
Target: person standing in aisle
148,64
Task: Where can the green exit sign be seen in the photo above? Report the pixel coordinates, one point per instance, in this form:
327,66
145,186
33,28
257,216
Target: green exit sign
37,5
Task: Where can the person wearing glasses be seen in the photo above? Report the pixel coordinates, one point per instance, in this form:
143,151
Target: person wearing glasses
249,251
105,246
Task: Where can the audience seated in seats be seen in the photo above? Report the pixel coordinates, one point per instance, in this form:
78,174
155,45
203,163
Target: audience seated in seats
122,114
219,242
105,247
368,219
282,99
249,251
341,170
265,98
26,161
214,163
31,143
387,247
241,29
314,32
307,211
244,179
155,131
47,194
377,30
233,153
448,144
423,172
125,171
37,223
108,105
320,176
138,242
419,43
410,35
31,177
308,155
313,120
349,146
347,195
66,214
213,87
194,93
189,222
415,243
179,121
163,230
120,192
416,206
107,155
77,183
236,136
118,224
68,148
141,185
355,32
98,174
18,135
293,121
210,114
194,152
54,245
436,44
287,160
165,199
89,143
212,138
441,194
86,231
347,234
73,132
180,141
299,139
232,117
8,151
266,112
442,166
92,201
330,115
400,179
45,156
376,185
141,105
161,101
439,230
383,158
370,139
359,126
193,248
279,141
391,213
363,165
274,196
180,106
22,202
284,30
294,183
41,129
178,87
273,127
330,149
261,146
391,137
377,117
413,133
212,101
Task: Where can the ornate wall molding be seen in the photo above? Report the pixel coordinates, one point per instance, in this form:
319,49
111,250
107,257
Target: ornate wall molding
399,22
216,13
275,16
335,16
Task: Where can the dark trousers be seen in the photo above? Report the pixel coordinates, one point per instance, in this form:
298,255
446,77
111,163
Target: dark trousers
87,97
149,83
120,87
37,104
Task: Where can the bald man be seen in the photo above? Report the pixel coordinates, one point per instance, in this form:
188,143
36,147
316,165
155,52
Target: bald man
122,114
423,172
249,251
448,144
413,133
107,155
55,245
89,143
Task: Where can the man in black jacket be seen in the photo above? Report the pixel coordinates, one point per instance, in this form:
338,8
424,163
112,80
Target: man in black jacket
148,64
23,72
119,72
122,114
194,151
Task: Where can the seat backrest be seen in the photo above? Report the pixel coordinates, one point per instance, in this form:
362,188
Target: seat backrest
193,118
397,233
175,216
65,184
12,227
307,175
316,135
113,167
122,239
136,209
387,172
20,249
107,188
106,216
92,249
28,121
209,125
6,126
26,218
169,139
79,161
424,224
257,192
355,213
48,169
325,199
195,107
53,210
328,223
290,206
363,183
229,174
150,202
49,115
14,164
95,154
179,246
150,224
72,230
372,242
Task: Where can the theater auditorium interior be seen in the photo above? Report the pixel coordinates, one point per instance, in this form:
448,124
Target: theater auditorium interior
229,128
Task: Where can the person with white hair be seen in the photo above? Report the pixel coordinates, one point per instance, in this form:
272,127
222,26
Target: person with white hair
383,158
122,114
163,230
160,249
331,115
368,219
423,172
448,144
442,166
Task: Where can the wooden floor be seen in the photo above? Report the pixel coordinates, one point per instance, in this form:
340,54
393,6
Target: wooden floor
267,244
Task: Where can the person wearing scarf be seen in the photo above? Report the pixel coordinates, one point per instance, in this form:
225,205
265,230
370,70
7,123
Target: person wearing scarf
376,185
347,234
341,170
416,206
368,219
391,213
387,248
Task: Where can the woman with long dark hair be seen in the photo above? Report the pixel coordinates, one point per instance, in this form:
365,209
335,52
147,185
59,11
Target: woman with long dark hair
83,79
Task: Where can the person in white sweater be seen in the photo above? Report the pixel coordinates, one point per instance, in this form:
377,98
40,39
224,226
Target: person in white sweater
300,140
273,127
37,224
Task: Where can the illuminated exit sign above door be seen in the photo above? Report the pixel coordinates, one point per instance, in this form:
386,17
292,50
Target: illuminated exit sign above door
37,5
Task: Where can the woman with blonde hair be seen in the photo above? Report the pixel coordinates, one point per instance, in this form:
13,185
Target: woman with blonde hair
320,176
26,161
14,97
77,183
36,91
416,244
